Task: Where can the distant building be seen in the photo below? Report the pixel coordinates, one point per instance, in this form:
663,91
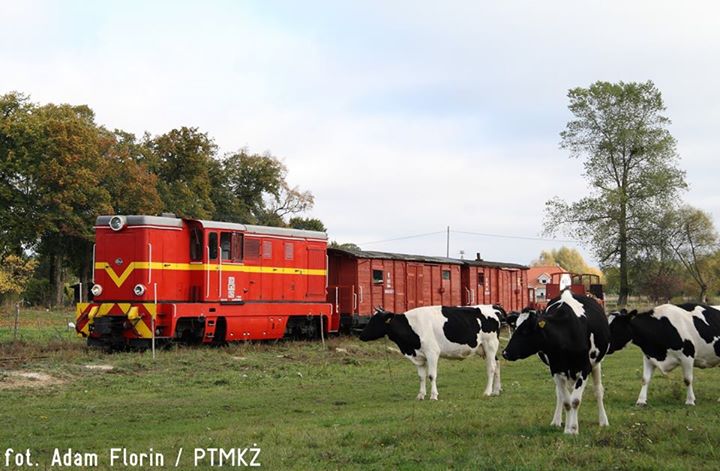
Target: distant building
540,276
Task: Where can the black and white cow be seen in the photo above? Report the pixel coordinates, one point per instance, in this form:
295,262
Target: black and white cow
572,337
425,334
685,335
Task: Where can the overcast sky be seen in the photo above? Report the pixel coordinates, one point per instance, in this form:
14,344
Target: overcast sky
401,117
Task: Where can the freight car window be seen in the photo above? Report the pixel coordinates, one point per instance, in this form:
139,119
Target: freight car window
195,245
481,278
212,243
225,245
377,277
446,274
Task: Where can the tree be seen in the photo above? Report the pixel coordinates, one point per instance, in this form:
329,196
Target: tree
15,272
51,189
630,164
182,160
568,258
307,224
253,189
693,239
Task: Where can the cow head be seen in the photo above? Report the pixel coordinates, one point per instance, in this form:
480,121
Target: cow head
527,337
378,326
620,329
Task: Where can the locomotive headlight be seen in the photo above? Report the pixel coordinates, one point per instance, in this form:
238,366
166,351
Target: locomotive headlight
117,223
139,289
96,290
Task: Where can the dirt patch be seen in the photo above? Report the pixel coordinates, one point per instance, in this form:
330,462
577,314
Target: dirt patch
27,379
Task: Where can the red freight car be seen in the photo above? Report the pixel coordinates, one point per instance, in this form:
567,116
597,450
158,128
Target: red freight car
203,281
359,281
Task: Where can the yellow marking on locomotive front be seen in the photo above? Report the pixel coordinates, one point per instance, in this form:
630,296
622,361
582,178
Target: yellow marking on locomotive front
119,280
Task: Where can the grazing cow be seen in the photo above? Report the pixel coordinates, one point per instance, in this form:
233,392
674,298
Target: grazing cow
687,335
572,337
425,334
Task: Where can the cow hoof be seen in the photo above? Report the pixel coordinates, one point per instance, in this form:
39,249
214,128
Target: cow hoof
420,397
572,431
556,424
640,404
433,398
687,403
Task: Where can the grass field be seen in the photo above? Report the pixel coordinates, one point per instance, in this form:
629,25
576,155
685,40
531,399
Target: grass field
348,405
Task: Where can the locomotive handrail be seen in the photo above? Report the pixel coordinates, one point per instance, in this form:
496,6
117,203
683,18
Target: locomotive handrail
207,288
149,263
93,265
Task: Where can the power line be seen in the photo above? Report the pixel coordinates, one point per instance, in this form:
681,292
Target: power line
481,234
402,238
502,236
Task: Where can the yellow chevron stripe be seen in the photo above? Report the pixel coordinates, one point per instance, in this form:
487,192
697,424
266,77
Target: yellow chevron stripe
119,280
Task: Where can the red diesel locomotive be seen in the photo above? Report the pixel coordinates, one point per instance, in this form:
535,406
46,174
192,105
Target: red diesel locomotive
169,279
203,281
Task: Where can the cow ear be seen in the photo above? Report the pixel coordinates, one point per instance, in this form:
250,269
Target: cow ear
633,313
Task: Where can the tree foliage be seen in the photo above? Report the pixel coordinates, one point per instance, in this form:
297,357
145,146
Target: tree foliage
568,258
630,163
59,170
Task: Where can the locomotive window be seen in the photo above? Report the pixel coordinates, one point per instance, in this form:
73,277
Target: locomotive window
289,249
225,245
481,278
196,245
237,247
252,249
446,274
377,277
267,249
212,243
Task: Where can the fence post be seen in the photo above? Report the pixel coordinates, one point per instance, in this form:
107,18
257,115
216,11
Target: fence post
17,320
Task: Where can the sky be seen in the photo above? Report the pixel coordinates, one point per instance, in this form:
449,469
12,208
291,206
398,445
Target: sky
403,118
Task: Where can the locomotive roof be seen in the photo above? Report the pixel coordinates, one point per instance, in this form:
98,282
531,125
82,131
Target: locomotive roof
424,258
165,221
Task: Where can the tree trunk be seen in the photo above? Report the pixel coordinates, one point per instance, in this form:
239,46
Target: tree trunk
624,285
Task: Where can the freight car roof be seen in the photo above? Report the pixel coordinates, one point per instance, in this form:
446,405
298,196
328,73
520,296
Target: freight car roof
423,258
165,221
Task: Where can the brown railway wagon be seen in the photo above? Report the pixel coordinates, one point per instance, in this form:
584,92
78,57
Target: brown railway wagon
359,281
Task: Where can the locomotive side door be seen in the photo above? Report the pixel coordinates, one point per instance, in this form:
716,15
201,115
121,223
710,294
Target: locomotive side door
211,270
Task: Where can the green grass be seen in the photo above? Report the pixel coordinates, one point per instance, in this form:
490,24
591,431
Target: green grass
312,408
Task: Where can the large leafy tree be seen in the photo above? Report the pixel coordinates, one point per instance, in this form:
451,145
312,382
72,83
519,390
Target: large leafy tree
630,162
252,188
52,169
182,159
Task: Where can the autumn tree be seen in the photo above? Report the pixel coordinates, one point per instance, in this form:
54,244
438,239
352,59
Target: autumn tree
568,258
630,163
692,237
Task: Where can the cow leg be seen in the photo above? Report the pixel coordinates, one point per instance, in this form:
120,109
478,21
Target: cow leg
422,373
493,368
571,425
648,369
687,367
432,363
600,394
560,393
